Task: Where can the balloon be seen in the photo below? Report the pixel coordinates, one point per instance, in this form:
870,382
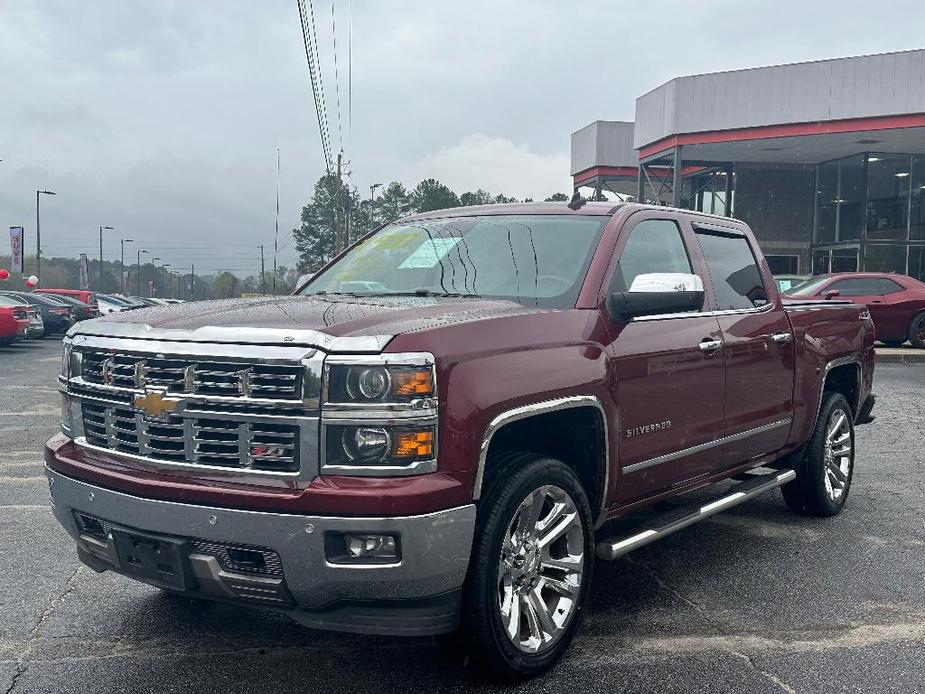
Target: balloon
33,279
4,274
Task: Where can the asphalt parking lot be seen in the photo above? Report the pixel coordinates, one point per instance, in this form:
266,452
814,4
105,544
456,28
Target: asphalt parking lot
756,600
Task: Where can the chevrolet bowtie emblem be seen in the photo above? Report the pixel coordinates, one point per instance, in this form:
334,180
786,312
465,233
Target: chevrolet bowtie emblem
156,403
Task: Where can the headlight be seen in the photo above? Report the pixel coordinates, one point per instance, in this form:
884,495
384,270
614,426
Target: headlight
379,384
379,415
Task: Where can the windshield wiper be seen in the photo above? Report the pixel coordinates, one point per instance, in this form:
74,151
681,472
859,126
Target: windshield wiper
425,292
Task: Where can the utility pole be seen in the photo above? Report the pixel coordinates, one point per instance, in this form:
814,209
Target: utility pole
276,235
192,282
339,210
263,275
372,204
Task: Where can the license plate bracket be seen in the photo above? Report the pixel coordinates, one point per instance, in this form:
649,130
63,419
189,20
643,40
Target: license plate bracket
154,559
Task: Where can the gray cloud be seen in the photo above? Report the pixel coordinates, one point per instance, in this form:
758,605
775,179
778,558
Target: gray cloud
162,118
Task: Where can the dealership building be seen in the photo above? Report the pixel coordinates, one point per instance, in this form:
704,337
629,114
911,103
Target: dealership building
824,160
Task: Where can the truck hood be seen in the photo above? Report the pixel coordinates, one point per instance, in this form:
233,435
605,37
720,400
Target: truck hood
338,323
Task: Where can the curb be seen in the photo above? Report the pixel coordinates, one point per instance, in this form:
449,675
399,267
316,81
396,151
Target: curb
900,356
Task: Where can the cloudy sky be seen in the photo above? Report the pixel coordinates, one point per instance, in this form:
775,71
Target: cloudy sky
162,118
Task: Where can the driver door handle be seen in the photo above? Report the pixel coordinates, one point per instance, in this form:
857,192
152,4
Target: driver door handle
710,346
781,338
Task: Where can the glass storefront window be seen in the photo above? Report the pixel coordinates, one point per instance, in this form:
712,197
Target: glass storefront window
845,260
883,258
917,262
917,223
851,198
889,178
826,202
820,262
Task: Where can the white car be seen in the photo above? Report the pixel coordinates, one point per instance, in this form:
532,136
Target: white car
108,306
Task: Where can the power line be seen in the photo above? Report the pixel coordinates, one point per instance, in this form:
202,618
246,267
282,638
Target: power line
350,73
310,40
340,132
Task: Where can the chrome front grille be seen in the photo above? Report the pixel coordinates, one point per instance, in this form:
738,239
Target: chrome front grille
194,376
261,445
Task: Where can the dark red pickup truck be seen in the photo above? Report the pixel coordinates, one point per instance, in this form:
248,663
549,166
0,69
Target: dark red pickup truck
433,434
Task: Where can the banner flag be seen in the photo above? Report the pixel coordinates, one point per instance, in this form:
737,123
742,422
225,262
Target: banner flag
16,249
84,274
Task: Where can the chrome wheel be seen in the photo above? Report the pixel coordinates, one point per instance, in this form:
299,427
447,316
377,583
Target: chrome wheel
839,454
540,569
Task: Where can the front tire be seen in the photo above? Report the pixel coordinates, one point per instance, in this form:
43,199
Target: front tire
531,566
824,475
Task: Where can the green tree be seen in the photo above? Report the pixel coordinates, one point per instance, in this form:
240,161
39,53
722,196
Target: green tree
225,286
431,194
557,197
314,237
394,202
479,197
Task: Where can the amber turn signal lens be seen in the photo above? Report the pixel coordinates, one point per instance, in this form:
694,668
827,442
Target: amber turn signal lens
413,382
413,444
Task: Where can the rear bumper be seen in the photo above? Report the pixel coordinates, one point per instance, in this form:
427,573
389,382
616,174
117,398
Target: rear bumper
417,595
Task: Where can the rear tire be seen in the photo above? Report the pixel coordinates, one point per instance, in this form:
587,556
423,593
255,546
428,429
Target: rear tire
893,343
530,570
825,472
917,331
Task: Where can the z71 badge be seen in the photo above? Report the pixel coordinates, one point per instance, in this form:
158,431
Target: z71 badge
648,428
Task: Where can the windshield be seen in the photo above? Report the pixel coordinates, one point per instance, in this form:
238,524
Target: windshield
808,288
534,260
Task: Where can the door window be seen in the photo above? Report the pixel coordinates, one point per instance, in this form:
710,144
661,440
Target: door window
654,246
861,286
734,270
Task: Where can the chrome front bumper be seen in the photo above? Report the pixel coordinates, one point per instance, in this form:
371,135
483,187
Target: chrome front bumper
417,595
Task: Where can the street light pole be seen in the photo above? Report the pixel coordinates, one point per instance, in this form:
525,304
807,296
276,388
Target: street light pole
100,288
154,263
38,233
123,285
138,272
167,275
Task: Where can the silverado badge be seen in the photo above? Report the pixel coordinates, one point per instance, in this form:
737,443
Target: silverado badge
155,402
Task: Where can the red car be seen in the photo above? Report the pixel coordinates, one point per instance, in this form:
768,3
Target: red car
14,323
896,302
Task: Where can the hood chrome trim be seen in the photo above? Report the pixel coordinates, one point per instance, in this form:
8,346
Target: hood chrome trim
234,335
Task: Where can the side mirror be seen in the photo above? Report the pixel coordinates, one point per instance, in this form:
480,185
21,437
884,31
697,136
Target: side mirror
625,305
832,293
657,294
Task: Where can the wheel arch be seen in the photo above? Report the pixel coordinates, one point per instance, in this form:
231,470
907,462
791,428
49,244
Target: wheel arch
842,376
529,428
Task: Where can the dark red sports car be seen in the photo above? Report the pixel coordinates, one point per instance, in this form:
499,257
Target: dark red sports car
896,302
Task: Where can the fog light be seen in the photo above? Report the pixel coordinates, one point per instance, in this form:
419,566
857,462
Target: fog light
366,443
371,546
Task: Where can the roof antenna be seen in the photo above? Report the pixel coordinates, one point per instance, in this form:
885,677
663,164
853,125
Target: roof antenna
577,202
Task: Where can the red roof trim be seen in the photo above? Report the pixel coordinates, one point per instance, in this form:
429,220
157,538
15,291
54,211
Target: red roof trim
914,120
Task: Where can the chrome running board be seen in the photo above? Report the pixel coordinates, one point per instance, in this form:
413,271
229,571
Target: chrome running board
677,519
